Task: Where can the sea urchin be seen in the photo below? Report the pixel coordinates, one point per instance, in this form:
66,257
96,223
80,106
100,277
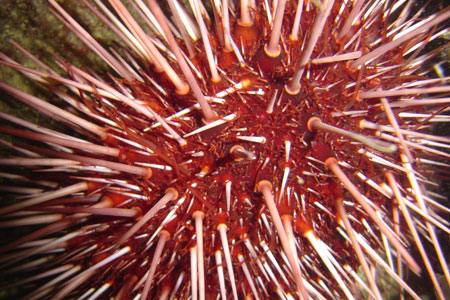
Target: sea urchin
233,149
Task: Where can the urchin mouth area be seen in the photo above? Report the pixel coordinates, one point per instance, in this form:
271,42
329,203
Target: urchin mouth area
231,150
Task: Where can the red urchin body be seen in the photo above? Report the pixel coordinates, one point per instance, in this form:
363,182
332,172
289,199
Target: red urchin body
225,176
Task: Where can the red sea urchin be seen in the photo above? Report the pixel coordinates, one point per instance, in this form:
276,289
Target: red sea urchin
250,149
